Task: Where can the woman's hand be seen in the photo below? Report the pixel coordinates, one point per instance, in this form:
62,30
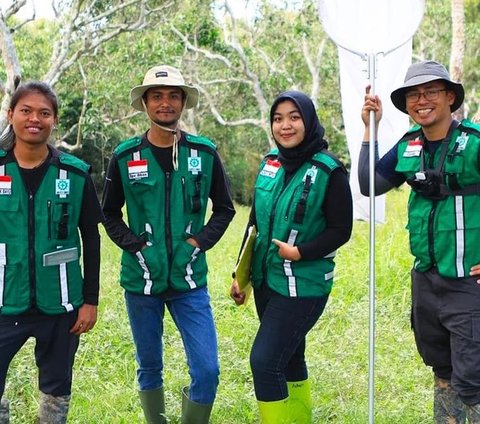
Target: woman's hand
236,294
286,251
87,317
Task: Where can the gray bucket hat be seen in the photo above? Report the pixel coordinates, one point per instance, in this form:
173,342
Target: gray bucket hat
421,73
163,76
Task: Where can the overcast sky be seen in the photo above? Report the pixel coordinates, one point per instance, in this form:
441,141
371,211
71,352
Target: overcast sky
240,7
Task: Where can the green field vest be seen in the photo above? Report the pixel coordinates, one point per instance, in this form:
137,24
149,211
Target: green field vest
165,208
291,213
39,240
445,232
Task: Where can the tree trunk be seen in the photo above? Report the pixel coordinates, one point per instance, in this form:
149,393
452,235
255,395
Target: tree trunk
458,48
12,68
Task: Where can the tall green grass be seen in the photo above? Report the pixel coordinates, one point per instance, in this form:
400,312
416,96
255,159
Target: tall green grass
105,391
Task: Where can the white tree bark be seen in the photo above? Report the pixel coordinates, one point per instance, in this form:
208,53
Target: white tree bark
458,47
10,60
248,76
245,73
81,32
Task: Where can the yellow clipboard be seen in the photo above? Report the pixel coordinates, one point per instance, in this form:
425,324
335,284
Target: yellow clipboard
242,269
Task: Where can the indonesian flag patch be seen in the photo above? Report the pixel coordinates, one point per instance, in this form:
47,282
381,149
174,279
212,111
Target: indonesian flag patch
137,169
5,185
414,147
271,168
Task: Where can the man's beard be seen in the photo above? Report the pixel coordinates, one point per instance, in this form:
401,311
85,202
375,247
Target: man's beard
171,123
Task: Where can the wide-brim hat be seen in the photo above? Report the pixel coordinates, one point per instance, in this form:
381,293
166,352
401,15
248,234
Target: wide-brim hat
421,73
163,76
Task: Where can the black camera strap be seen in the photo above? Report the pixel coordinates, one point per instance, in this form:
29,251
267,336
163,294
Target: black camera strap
443,154
445,190
464,191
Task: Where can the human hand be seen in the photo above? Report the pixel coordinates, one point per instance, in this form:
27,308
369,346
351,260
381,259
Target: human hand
372,102
475,270
287,251
193,242
87,317
236,294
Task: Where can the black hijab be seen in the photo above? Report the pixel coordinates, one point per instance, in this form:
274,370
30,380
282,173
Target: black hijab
292,159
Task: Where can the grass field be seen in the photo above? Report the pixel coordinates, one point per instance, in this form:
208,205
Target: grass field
104,389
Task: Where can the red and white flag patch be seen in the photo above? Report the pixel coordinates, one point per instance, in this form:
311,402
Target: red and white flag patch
414,147
5,184
137,169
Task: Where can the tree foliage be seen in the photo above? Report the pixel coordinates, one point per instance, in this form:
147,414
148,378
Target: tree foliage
96,51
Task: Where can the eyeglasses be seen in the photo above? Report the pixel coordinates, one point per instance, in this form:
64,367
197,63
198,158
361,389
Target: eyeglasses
429,95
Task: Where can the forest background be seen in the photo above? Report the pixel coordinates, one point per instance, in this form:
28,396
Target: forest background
94,51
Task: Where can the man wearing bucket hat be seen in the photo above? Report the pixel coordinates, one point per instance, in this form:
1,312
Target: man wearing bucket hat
165,177
440,159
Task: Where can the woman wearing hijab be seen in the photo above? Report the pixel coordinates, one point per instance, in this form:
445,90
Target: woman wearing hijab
302,212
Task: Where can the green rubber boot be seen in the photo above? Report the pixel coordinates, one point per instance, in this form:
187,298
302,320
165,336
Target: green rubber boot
193,412
300,402
275,412
153,405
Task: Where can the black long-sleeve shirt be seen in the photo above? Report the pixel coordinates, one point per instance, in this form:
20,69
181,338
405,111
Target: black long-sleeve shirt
114,200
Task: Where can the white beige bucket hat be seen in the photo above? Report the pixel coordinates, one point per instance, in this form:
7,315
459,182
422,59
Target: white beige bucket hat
163,76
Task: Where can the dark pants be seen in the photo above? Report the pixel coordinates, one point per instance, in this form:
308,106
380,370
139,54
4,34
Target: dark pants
278,352
446,324
55,348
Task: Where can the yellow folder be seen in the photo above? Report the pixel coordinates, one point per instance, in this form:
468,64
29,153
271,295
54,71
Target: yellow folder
242,270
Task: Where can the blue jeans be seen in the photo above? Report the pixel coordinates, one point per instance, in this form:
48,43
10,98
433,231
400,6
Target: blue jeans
278,351
192,315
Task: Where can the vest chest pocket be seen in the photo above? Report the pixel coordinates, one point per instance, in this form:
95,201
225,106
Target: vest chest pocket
8,203
9,211
265,183
59,217
300,203
416,224
264,187
302,193
454,165
193,192
408,164
141,185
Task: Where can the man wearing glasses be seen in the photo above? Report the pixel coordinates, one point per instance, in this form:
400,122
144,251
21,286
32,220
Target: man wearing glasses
440,159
